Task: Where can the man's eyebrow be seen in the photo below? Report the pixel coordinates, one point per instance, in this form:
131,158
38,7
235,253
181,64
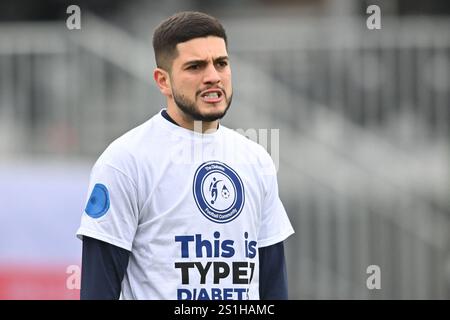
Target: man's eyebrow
221,58
201,62
194,62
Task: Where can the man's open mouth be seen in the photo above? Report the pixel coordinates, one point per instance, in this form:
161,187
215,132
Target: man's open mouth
212,95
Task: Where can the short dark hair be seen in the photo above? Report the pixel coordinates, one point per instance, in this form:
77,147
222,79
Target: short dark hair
182,27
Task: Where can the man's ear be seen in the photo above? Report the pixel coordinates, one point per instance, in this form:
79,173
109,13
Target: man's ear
162,80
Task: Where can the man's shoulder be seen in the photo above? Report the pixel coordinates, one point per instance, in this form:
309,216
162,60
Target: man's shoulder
246,142
127,146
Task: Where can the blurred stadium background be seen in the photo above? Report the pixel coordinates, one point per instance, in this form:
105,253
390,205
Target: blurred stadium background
364,132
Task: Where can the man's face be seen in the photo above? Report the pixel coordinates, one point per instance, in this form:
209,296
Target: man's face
201,78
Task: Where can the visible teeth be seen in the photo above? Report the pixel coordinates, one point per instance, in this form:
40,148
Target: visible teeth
212,95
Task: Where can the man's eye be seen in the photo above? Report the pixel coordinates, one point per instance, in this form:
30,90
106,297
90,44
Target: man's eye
193,67
222,63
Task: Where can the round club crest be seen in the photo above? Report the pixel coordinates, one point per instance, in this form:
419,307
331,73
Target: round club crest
218,192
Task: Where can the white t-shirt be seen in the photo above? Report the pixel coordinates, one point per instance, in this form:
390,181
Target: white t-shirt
192,208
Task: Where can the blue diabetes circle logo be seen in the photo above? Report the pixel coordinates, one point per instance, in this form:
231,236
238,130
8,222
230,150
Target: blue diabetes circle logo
218,192
98,203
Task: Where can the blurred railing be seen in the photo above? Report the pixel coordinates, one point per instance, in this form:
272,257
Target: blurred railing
363,118
68,92
364,148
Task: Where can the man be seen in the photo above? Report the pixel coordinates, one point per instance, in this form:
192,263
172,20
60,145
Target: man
182,207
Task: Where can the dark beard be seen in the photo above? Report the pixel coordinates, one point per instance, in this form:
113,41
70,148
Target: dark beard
190,109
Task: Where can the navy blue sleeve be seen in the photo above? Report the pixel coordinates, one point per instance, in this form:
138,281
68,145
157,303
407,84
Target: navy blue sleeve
272,273
102,270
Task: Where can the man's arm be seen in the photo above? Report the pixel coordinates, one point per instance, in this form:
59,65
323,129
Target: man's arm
272,273
102,271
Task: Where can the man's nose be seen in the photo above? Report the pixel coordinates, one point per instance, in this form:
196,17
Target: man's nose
211,75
